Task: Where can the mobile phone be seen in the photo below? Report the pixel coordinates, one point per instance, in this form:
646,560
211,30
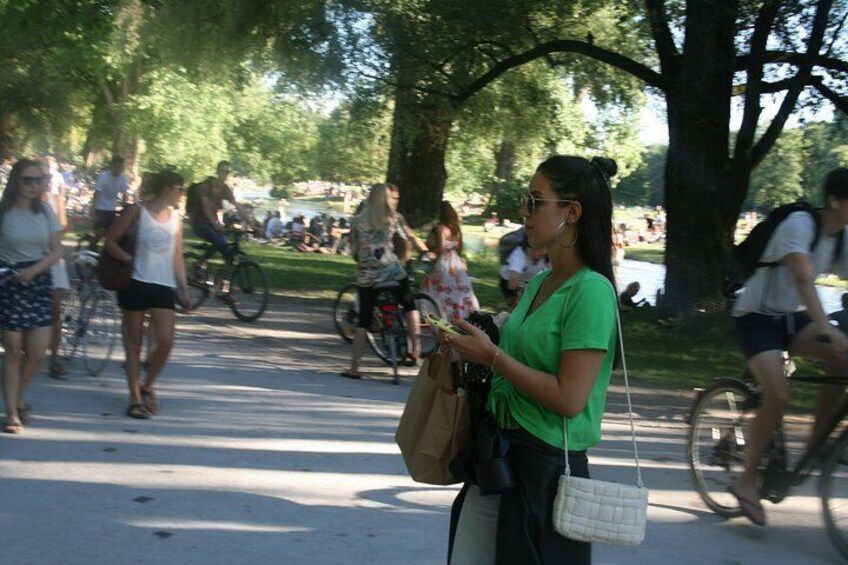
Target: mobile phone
443,325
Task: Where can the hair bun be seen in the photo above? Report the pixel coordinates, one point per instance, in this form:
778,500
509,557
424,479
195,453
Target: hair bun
608,167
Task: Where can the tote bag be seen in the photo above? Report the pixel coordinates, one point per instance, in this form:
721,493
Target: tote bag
435,424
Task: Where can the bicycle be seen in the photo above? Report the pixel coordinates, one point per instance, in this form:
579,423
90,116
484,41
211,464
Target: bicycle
718,425
241,283
89,316
388,334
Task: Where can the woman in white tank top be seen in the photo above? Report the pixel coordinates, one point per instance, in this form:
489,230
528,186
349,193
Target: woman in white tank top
158,269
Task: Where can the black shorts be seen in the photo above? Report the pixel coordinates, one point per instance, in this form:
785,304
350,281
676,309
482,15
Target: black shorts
761,332
140,296
104,218
368,300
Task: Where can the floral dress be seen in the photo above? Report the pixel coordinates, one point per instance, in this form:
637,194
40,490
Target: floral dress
449,284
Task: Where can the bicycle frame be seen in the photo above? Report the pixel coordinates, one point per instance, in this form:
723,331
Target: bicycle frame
811,459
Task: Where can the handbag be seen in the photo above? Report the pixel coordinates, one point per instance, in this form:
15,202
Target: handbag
435,424
112,273
599,511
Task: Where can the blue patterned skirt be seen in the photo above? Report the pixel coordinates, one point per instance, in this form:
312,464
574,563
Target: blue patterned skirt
26,306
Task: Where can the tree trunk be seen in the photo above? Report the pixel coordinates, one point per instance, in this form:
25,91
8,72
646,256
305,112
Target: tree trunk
504,171
420,132
697,174
505,161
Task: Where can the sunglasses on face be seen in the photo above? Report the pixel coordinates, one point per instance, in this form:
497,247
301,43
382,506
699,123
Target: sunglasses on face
532,202
34,181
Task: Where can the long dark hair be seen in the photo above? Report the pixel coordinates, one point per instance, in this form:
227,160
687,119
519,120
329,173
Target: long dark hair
450,219
587,182
10,195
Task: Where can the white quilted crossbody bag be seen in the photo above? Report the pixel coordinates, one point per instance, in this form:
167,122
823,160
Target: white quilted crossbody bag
599,511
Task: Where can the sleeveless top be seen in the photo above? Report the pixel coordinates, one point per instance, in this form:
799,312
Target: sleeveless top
154,252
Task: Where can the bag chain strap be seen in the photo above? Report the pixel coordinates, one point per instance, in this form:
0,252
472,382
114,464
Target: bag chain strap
627,390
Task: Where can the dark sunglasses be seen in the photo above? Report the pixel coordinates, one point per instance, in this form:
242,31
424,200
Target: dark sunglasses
531,202
34,181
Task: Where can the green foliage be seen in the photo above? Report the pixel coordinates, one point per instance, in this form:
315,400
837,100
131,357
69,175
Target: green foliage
274,135
353,142
644,186
778,178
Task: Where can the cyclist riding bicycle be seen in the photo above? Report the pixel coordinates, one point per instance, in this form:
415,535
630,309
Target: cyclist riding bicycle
203,203
779,310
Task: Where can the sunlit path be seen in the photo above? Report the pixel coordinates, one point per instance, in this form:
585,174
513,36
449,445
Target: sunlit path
262,454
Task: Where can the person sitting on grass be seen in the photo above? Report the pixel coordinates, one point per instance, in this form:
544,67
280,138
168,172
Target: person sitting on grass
625,299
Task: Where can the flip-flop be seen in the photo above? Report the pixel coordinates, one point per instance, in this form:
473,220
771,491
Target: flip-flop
751,509
350,375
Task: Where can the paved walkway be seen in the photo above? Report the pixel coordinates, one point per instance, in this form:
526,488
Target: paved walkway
263,455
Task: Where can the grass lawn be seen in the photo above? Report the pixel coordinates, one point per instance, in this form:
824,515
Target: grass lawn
649,252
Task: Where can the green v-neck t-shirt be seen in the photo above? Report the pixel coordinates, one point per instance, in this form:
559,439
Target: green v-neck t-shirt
580,314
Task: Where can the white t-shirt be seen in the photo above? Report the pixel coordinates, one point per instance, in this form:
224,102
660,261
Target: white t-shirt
519,261
274,228
108,187
772,290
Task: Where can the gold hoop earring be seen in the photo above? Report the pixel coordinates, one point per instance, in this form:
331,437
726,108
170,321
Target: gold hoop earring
564,224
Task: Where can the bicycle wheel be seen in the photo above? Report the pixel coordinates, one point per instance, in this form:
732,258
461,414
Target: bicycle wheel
100,331
346,312
716,442
390,328
198,285
249,291
426,304
69,338
834,495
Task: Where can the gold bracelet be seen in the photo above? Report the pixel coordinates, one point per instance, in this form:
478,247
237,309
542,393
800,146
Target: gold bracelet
498,352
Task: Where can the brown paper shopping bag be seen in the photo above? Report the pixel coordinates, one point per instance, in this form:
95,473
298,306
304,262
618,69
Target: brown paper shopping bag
435,424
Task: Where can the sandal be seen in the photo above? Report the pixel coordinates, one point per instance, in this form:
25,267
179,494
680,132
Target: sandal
13,427
350,375
138,411
751,509
56,372
25,413
148,397
409,361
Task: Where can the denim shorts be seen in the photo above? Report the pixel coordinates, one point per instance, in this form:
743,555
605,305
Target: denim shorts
762,332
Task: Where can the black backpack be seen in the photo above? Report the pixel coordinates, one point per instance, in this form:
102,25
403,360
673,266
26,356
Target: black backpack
745,257
509,242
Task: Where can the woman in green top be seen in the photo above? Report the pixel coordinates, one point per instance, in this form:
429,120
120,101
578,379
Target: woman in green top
554,361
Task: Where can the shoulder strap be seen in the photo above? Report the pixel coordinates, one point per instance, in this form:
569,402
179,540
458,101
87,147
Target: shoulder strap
627,391
840,240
